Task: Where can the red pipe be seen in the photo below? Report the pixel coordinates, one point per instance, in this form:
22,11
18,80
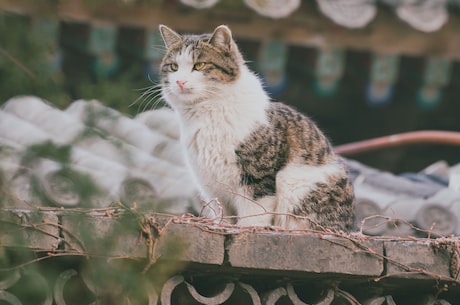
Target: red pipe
413,137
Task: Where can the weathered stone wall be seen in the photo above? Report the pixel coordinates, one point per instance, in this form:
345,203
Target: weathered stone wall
114,256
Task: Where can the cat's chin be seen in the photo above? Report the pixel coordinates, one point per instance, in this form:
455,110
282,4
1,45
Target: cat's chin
185,100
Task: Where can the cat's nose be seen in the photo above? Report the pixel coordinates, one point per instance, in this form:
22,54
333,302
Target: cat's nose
181,84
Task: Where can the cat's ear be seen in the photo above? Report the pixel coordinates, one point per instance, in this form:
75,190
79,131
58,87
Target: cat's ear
222,37
169,36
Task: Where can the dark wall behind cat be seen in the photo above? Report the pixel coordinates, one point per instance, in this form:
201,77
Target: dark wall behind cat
345,115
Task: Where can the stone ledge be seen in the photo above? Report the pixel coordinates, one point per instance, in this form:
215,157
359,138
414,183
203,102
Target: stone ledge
115,233
305,252
108,233
32,229
191,244
411,259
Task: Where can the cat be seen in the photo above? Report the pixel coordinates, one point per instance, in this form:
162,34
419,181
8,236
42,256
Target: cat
260,161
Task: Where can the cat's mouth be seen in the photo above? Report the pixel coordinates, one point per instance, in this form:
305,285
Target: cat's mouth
185,95
186,91
179,91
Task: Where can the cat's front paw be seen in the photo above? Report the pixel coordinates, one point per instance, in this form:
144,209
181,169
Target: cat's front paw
213,210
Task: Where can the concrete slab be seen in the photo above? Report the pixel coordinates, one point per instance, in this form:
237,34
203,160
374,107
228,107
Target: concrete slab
307,253
189,243
33,229
108,233
407,258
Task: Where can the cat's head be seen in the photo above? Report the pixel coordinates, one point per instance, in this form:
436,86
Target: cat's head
197,67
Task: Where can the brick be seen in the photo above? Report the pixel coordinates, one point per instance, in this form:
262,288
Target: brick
120,235
191,243
307,253
108,233
416,256
35,230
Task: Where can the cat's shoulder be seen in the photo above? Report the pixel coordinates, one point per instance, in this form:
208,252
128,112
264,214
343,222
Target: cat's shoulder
280,113
303,135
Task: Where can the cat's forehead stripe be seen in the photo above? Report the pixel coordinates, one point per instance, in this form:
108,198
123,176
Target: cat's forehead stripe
188,45
195,48
185,56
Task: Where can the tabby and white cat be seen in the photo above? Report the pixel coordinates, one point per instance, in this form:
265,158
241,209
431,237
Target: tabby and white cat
264,162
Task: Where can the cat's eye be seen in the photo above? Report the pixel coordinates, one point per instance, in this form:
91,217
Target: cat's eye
199,66
174,67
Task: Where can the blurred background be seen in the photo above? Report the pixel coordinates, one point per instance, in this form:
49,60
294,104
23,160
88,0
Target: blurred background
359,68
81,126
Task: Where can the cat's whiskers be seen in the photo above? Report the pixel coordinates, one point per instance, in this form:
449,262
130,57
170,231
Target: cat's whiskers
150,94
146,93
146,99
200,95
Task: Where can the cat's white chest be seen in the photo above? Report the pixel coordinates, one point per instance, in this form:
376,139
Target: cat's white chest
212,129
210,144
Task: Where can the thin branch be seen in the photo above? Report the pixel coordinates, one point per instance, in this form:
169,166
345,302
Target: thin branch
17,63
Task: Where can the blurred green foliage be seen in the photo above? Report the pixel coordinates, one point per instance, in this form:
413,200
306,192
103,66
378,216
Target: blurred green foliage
21,61
48,150
31,65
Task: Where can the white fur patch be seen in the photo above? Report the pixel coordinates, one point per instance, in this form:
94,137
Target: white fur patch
294,182
255,213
